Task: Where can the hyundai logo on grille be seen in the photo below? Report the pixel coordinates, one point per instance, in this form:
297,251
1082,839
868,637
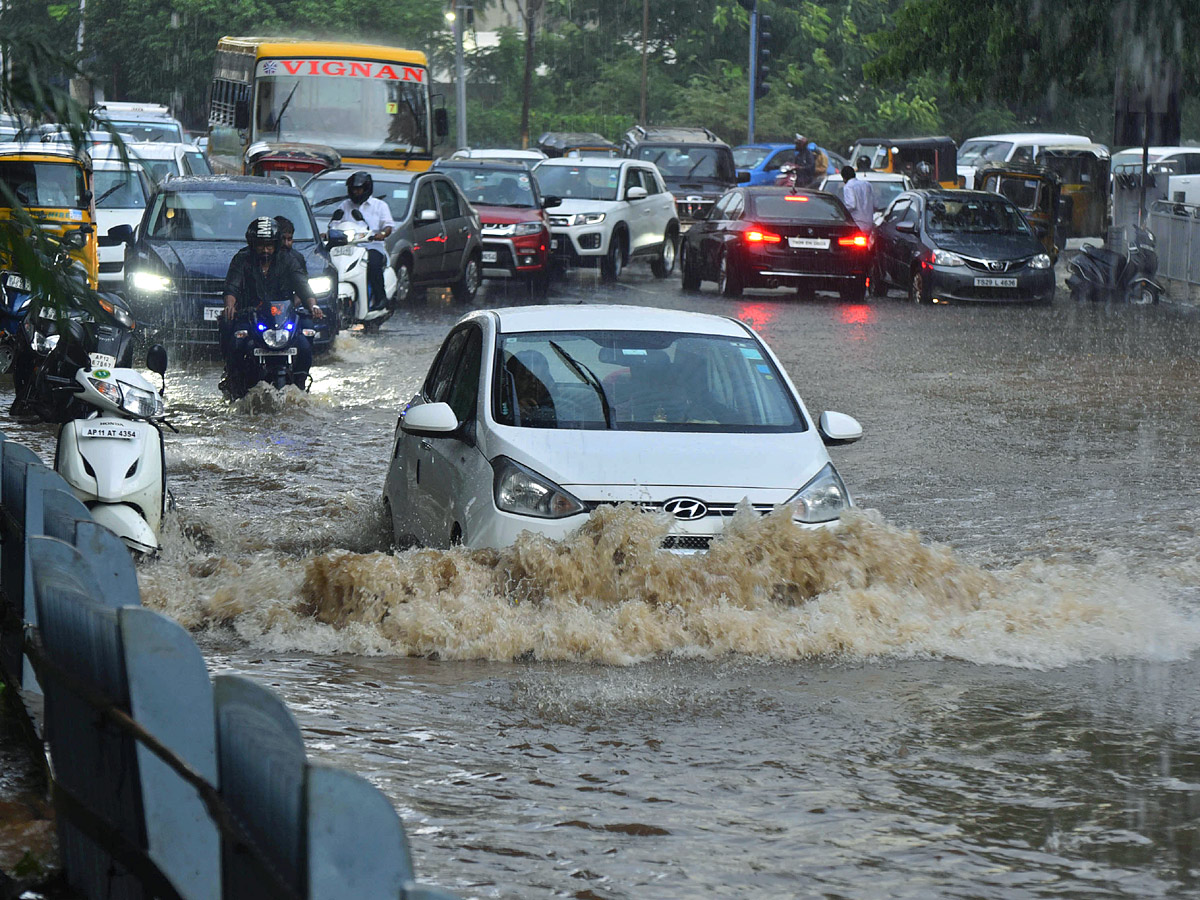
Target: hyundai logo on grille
685,508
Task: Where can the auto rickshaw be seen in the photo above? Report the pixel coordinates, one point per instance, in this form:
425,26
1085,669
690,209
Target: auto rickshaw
53,183
903,155
576,144
1036,191
1084,173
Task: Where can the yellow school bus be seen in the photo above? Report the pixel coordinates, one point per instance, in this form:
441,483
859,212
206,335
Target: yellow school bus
368,103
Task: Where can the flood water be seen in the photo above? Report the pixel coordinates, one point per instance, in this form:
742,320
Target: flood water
984,684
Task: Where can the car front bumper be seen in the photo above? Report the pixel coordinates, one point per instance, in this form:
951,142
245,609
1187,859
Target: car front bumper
505,257
579,245
961,283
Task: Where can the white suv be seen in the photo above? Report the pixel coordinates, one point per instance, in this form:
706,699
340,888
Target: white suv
612,211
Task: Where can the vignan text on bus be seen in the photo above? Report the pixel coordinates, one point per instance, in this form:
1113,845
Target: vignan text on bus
369,103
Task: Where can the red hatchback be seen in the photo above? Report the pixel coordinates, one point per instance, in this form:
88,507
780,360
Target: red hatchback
775,237
514,228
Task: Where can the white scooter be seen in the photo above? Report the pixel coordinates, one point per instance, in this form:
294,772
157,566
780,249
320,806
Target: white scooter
347,240
114,459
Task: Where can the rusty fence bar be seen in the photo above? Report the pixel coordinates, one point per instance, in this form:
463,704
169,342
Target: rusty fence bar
167,783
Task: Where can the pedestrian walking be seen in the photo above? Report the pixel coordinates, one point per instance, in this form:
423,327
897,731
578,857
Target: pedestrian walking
859,197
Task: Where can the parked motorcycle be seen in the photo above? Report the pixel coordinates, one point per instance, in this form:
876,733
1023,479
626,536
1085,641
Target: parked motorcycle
1098,273
14,304
271,330
347,248
114,458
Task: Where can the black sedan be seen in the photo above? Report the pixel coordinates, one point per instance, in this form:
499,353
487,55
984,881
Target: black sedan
175,267
772,237
960,245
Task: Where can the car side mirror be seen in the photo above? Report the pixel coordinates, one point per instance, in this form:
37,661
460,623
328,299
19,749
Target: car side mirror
636,193
838,428
441,123
551,202
241,115
430,420
74,240
336,239
427,215
120,234
907,227
743,177
156,360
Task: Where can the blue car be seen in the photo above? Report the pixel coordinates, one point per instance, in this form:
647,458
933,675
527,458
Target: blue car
762,161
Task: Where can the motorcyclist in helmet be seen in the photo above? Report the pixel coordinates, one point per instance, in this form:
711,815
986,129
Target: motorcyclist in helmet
259,273
806,162
923,175
378,217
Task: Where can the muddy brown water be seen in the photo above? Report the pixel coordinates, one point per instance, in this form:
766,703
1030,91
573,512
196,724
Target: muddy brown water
982,685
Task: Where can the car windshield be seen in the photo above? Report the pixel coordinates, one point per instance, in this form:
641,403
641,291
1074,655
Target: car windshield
974,151
749,157
159,169
640,381
687,162
578,182
326,194
222,215
884,192
161,132
805,207
119,189
974,215
42,184
494,187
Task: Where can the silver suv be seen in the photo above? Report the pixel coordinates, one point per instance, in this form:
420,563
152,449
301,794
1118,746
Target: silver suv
612,211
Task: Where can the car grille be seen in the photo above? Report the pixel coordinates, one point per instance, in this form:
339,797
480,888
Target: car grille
996,266
504,258
723,510
686,542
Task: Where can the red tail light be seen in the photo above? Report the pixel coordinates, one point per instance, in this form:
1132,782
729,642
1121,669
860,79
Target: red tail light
758,236
855,240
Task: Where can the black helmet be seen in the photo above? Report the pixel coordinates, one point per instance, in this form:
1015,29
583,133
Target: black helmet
924,169
360,182
263,230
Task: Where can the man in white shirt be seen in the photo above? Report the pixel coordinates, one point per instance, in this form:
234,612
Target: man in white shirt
859,198
377,217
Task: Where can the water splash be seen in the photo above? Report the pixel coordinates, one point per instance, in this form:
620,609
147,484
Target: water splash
264,400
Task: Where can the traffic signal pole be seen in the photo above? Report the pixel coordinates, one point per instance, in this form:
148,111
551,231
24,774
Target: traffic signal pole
753,68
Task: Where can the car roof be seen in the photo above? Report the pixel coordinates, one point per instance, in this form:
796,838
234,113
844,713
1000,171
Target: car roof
500,164
1036,137
604,162
217,182
377,174
612,317
957,194
1161,151
673,134
493,152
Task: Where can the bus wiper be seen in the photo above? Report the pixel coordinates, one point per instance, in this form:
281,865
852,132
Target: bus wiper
589,378
283,109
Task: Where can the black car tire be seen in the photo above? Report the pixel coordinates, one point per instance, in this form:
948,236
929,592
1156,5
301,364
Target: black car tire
689,271
729,280
918,288
663,265
855,293
467,286
404,284
879,285
613,261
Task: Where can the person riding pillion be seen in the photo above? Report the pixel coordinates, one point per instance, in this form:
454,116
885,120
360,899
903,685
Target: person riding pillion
378,218
806,161
261,272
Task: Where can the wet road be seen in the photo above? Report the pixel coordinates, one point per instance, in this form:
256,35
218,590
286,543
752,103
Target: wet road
983,686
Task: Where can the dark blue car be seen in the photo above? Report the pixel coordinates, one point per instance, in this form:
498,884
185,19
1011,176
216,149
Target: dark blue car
176,264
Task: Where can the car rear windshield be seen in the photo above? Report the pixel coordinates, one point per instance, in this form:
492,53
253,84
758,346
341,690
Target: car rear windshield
974,215
495,187
578,182
42,184
222,215
640,381
326,194
883,192
681,161
806,207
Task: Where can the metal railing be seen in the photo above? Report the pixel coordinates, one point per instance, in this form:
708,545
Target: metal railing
1176,228
166,783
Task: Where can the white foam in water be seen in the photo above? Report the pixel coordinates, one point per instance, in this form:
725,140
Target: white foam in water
767,589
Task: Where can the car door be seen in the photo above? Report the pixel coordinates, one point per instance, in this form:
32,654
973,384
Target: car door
429,237
457,225
660,200
908,243
638,212
454,457
712,237
886,238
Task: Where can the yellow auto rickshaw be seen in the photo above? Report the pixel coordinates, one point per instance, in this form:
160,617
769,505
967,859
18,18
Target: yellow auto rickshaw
1036,191
1083,169
904,156
53,182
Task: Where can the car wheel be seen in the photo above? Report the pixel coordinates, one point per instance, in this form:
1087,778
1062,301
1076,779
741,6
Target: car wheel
855,293
614,260
664,264
467,286
404,284
918,289
879,286
689,271
729,280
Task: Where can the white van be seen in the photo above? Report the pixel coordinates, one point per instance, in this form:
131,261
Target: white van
1017,147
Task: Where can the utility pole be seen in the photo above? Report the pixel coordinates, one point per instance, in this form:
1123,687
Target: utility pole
459,19
753,67
645,37
532,8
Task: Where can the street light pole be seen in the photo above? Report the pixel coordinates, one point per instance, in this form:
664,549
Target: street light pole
460,71
753,69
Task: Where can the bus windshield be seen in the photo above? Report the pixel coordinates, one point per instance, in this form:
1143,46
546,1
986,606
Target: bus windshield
352,115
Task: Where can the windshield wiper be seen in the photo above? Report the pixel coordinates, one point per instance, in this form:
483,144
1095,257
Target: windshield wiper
109,192
589,378
329,200
283,109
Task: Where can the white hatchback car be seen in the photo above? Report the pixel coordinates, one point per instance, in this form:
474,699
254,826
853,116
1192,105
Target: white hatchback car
532,417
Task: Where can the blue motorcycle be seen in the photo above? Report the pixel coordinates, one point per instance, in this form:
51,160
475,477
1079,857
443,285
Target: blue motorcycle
270,345
14,306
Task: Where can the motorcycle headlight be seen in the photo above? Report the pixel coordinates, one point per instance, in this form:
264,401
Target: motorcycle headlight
44,343
141,402
588,218
522,491
946,258
322,284
149,282
276,337
109,390
1041,261
822,499
527,228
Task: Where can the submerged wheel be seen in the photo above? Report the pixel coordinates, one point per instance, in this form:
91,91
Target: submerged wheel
664,264
918,288
613,261
467,286
689,271
729,281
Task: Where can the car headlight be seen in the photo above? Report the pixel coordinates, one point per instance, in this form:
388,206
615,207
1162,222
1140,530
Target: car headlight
527,228
149,282
1041,261
276,337
322,284
139,401
822,499
522,491
588,219
946,258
